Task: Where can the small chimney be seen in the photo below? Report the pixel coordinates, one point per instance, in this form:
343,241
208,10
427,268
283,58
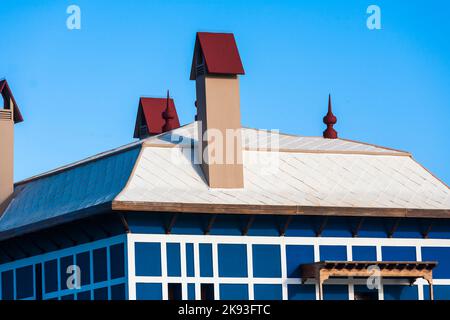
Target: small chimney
215,68
9,115
330,120
155,116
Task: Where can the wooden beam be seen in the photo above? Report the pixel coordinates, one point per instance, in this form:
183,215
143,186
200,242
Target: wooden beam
211,221
172,222
355,232
278,210
124,221
427,232
394,228
322,227
249,224
286,226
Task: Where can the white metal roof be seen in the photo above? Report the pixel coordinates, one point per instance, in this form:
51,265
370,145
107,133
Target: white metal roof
302,179
260,139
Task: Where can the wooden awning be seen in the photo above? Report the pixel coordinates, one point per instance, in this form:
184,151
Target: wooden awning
411,270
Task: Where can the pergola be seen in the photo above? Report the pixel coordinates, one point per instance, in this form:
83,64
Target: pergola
411,270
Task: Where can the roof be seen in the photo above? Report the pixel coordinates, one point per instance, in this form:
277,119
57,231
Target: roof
64,194
151,110
304,174
7,94
220,53
300,175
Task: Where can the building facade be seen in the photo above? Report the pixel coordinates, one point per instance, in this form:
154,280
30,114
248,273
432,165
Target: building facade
151,220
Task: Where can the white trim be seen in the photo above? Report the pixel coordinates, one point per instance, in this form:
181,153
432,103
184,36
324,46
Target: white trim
197,291
251,292
131,267
164,269
284,288
215,257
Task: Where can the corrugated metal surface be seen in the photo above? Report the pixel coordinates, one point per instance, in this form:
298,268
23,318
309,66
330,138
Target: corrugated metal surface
283,178
57,195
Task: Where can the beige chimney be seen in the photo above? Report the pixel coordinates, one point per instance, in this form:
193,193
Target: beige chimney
215,68
9,115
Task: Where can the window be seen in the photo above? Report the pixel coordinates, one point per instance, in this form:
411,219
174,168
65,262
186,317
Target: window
362,292
206,269
25,282
301,292
8,285
333,253
297,255
207,291
190,259
191,291
233,292
268,292
149,291
118,292
100,265
335,292
117,261
173,260
148,259
84,263
51,276
85,295
232,260
38,281
442,256
174,291
364,253
398,253
266,261
101,294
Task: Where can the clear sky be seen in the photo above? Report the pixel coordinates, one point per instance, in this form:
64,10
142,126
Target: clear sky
78,90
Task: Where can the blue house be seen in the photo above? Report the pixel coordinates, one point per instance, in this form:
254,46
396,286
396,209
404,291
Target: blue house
179,214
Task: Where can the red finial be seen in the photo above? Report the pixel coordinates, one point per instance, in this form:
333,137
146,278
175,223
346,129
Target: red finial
169,115
330,120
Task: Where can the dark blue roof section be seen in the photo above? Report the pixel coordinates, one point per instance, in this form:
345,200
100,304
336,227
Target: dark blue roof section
60,195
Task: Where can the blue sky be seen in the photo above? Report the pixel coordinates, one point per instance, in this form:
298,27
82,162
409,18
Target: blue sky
78,90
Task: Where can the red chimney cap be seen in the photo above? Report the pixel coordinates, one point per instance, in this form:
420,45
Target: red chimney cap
330,120
220,53
6,93
152,114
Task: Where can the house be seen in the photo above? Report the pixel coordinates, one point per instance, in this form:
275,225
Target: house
260,215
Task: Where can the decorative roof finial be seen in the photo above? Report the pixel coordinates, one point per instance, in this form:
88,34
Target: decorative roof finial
330,120
169,115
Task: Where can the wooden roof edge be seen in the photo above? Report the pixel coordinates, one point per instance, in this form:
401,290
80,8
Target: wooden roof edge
211,208
327,265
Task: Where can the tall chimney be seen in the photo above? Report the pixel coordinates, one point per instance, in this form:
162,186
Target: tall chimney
9,115
215,68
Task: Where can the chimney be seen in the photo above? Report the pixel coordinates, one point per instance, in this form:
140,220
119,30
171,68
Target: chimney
9,115
155,116
215,68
